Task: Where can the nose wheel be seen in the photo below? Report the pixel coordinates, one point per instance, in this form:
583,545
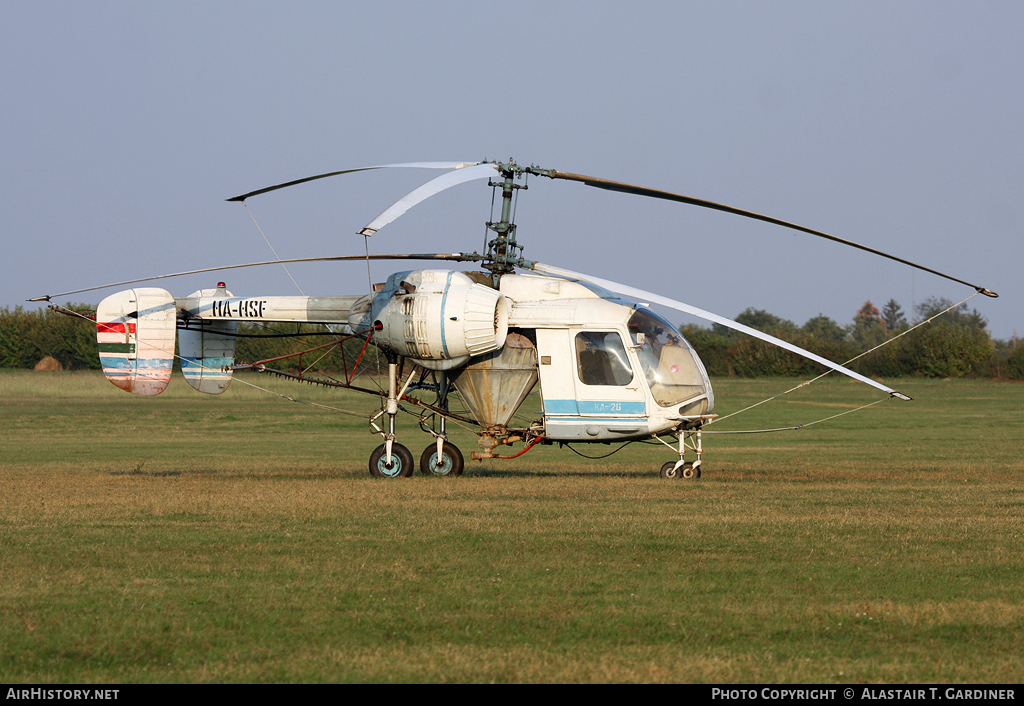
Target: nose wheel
688,440
673,470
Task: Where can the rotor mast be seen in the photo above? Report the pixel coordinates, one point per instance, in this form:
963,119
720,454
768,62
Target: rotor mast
503,253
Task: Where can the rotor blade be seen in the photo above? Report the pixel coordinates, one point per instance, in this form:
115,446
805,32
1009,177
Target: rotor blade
456,257
643,295
414,165
669,196
422,193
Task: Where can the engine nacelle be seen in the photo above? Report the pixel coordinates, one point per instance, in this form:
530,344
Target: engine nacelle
439,318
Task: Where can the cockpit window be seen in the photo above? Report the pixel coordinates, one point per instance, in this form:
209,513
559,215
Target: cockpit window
601,359
670,365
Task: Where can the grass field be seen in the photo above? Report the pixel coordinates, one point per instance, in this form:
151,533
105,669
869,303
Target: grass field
188,538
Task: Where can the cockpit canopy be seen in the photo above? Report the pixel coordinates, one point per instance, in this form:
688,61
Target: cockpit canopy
674,372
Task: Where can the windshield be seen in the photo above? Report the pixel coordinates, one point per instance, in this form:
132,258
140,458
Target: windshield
672,368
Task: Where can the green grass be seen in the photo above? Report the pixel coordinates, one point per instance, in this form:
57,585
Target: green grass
240,538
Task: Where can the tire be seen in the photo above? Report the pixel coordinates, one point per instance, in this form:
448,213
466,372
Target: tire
402,464
452,462
669,470
688,471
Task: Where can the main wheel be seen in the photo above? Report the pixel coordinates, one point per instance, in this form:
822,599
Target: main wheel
401,462
451,463
689,470
669,470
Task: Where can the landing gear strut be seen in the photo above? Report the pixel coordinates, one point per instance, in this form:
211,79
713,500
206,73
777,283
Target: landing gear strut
441,458
391,459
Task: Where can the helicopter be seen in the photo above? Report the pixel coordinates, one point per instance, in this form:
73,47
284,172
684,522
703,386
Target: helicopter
609,368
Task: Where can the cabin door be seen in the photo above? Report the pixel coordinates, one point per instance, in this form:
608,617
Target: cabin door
590,389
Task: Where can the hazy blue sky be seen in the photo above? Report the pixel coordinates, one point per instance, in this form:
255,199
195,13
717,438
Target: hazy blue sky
897,125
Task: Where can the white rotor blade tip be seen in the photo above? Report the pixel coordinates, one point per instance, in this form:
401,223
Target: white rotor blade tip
462,174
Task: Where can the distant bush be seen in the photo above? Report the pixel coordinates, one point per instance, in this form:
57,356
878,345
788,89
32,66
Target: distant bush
26,337
1015,364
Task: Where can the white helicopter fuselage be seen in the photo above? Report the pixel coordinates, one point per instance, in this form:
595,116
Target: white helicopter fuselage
608,369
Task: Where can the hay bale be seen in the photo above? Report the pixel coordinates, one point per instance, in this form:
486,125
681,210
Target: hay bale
49,364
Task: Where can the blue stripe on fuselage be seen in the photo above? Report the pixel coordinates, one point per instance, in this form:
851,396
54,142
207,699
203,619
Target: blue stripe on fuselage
576,407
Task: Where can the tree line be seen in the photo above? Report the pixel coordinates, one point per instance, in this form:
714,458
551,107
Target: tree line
878,343
956,344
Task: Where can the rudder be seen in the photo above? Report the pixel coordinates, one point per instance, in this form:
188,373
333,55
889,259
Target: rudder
135,330
208,352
